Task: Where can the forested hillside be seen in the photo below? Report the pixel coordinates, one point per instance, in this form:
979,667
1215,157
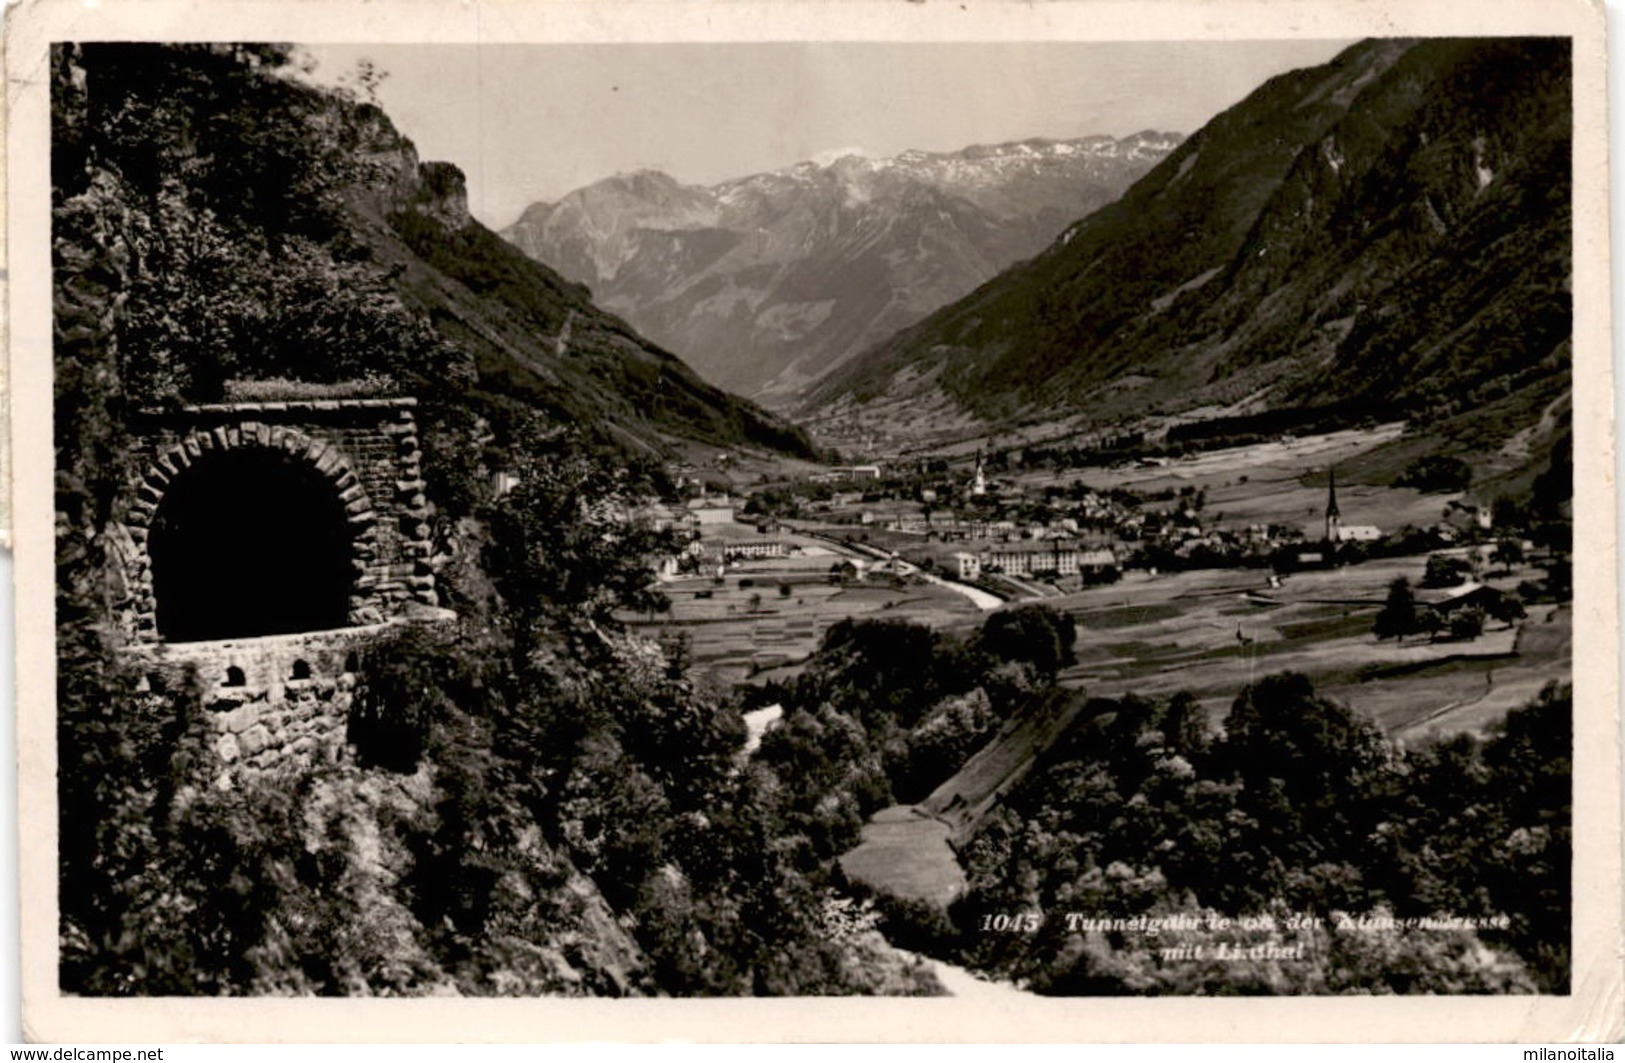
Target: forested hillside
264,230
1371,867
535,802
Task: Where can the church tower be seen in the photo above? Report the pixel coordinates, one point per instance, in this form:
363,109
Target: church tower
978,483
1332,515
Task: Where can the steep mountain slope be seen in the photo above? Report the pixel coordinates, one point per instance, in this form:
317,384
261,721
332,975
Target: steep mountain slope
315,247
541,339
1390,231
767,282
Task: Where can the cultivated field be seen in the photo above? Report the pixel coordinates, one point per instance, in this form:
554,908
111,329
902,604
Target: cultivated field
1282,482
1155,635
769,615
1212,632
1204,632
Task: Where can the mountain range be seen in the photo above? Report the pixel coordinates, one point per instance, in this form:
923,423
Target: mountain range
766,283
1390,231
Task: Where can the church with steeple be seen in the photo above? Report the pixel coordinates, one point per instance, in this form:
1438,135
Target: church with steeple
1337,532
978,480
1334,516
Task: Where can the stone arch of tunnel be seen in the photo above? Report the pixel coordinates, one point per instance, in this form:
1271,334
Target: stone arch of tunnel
249,542
247,532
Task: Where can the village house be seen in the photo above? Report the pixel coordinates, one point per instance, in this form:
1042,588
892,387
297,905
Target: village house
847,474
658,515
1447,601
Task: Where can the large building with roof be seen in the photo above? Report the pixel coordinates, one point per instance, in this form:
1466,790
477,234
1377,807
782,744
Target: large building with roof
1032,557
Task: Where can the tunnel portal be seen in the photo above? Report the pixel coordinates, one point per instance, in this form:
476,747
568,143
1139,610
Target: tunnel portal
274,518
249,542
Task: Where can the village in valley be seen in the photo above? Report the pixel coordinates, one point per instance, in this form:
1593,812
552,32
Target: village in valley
1196,572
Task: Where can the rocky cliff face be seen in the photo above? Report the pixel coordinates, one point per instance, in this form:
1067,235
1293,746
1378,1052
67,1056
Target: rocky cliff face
766,283
1390,230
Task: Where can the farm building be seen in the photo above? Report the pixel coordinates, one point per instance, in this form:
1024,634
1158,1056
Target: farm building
1449,600
658,515
848,568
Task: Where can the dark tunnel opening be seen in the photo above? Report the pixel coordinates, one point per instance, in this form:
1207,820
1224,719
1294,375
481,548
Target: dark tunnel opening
247,543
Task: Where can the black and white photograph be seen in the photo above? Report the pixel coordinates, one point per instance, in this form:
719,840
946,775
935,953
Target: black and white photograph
999,519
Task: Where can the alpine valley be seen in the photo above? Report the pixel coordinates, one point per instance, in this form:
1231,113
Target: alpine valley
1387,236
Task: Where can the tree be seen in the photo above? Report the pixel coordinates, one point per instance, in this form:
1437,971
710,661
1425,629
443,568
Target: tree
1037,634
1509,513
1445,571
1467,623
1530,788
1185,726
1507,609
1508,552
1436,472
1560,579
1555,486
563,548
1308,766
1399,616
884,672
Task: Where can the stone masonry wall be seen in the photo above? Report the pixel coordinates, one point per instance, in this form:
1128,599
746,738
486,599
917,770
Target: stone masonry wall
273,705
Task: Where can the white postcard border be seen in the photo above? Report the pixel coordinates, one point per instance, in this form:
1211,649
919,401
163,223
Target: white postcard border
1591,1012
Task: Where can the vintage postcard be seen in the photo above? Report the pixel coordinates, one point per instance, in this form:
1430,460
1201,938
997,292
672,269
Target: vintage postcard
807,521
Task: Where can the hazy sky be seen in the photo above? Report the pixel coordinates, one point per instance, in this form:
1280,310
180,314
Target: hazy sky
533,122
